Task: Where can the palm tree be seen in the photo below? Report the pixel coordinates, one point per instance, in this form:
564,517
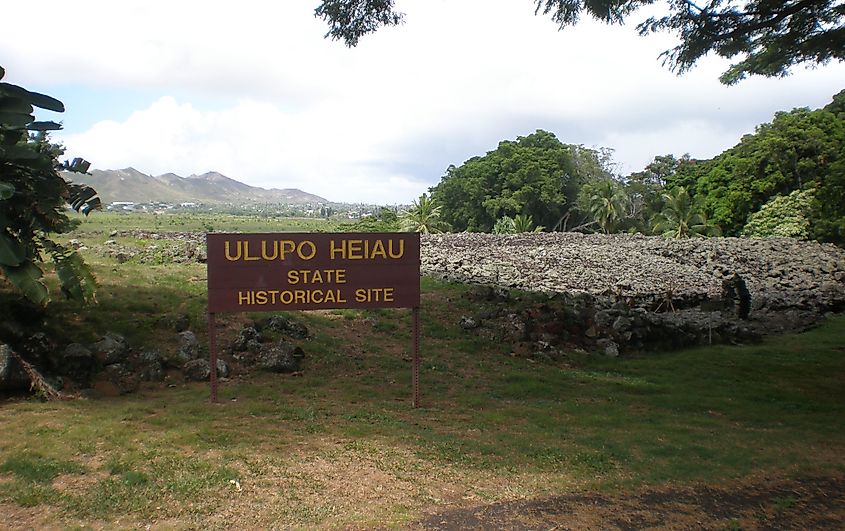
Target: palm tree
607,203
423,216
525,223
682,217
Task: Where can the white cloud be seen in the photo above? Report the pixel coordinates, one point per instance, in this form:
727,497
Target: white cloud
382,121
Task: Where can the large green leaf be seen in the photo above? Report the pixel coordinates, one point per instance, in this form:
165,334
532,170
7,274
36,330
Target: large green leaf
27,278
77,165
35,98
83,198
11,251
76,278
44,126
15,119
11,104
46,102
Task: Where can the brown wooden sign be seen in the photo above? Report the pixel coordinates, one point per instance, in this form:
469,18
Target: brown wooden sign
289,271
285,271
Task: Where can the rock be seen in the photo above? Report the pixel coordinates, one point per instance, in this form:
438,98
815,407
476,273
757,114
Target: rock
111,349
197,370
150,366
189,347
282,357
182,323
200,370
610,348
110,242
112,234
287,326
12,376
222,368
468,323
641,269
603,319
515,327
248,339
622,324
78,363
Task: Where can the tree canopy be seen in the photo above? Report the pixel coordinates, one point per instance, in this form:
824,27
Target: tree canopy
535,175
767,37
799,150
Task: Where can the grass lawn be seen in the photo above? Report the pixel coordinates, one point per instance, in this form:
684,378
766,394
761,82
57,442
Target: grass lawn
340,446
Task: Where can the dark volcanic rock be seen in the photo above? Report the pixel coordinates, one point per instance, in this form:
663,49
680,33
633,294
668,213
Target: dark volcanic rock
197,370
111,349
78,363
200,370
150,366
284,325
282,357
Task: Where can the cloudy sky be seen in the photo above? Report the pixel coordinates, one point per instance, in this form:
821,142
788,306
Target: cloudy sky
253,90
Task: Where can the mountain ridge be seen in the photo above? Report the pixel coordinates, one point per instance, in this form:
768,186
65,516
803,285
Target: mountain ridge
130,184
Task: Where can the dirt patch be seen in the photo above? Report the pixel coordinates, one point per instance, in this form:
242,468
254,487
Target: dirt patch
810,503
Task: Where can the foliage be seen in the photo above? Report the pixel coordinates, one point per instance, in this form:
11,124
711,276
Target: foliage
785,216
682,217
607,202
504,225
515,225
768,37
33,197
523,223
349,20
535,175
385,220
797,150
423,216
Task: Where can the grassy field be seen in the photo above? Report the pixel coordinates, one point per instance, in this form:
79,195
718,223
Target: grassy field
340,446
199,221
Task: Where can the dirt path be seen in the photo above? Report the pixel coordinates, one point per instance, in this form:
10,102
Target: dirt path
817,503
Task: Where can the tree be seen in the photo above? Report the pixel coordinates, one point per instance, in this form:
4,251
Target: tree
606,201
784,216
769,37
535,175
515,225
798,150
523,223
683,217
423,216
33,199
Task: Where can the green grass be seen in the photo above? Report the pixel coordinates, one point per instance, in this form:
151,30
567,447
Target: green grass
105,222
310,450
36,468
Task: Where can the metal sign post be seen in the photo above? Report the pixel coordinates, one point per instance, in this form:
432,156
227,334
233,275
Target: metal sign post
212,347
415,361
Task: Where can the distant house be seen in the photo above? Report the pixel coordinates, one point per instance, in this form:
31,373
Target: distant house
121,205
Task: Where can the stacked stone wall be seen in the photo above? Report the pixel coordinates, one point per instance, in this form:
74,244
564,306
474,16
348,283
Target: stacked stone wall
781,273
